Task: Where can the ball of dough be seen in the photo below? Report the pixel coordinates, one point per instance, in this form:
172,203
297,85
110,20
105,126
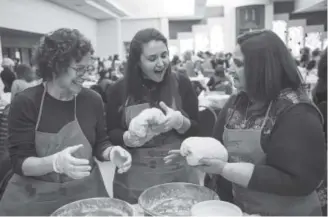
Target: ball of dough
196,148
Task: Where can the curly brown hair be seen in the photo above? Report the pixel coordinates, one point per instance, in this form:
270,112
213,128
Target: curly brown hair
56,50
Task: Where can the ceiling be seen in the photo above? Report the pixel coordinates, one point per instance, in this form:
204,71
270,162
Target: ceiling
97,9
106,9
158,8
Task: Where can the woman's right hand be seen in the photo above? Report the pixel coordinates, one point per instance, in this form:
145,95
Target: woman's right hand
75,168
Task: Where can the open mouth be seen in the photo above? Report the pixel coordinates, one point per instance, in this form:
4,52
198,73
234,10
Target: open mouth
158,71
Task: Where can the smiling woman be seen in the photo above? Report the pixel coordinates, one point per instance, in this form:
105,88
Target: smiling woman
148,83
55,129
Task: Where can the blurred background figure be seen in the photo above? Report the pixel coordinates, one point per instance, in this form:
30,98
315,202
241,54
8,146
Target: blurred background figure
8,75
25,79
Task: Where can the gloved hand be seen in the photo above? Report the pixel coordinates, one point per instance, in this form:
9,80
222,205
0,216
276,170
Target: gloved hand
64,163
120,158
142,124
133,140
174,119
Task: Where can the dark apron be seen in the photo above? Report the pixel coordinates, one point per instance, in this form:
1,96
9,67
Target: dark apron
244,145
148,168
40,196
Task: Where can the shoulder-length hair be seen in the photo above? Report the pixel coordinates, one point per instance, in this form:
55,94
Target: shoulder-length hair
133,76
268,65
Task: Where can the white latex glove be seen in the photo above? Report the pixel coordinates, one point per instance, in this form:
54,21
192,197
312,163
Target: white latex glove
120,158
64,163
141,124
174,119
134,141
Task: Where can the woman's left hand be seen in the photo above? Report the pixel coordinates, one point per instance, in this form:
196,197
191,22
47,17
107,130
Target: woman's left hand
120,158
211,166
174,119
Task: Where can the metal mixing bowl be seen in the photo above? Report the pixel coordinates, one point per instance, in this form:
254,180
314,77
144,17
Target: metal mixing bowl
174,199
101,206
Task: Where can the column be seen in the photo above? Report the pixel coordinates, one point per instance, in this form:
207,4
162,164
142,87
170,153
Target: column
269,14
165,27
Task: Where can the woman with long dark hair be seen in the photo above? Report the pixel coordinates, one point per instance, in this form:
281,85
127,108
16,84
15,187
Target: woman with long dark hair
149,83
272,131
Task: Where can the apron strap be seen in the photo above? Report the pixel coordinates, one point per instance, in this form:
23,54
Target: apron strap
75,116
41,106
266,115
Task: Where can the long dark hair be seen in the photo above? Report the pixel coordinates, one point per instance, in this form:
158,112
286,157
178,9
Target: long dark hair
269,66
133,75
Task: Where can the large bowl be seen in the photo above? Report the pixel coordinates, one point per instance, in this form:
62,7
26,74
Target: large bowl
100,206
215,208
174,199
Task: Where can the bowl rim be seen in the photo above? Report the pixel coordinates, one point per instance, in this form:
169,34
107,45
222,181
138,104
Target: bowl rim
222,202
134,212
170,183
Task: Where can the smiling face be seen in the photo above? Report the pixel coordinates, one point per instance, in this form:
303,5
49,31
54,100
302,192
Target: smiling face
75,75
238,69
154,60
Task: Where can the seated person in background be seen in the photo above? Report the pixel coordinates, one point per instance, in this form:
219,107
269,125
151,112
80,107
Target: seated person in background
25,79
219,81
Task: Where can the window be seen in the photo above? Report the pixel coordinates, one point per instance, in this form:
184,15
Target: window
216,39
201,41
295,39
186,45
313,40
280,28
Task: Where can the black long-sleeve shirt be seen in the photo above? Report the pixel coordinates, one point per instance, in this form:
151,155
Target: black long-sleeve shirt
295,153
115,101
55,114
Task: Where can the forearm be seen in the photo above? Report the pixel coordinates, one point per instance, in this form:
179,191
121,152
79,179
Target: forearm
37,166
238,173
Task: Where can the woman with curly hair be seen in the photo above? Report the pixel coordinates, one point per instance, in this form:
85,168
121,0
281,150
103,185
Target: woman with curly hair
55,129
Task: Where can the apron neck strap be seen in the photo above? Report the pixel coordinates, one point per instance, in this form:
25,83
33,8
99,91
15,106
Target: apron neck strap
266,115
41,106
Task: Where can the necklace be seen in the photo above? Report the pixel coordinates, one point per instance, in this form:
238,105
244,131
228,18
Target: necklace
243,123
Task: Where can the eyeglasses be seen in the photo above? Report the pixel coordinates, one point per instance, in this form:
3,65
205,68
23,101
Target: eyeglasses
82,70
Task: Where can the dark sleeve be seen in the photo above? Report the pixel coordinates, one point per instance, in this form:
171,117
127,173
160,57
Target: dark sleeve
115,129
189,104
296,155
21,131
102,141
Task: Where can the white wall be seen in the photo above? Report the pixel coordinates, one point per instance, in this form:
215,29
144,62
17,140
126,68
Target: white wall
130,27
41,16
108,38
